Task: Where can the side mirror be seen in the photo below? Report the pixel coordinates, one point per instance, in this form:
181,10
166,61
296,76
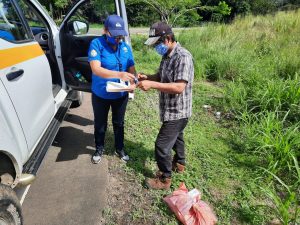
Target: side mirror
79,27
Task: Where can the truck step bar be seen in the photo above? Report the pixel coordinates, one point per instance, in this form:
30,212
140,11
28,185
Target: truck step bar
34,162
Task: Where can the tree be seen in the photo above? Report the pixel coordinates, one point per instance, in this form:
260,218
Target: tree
57,8
220,11
141,14
263,6
170,10
238,7
184,12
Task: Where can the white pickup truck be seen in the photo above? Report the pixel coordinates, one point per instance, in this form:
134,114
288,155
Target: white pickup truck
39,61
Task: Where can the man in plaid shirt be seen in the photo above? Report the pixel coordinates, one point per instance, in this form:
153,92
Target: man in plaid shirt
174,81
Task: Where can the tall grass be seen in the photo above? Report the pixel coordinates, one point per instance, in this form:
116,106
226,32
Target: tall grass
277,143
271,95
258,60
268,45
290,200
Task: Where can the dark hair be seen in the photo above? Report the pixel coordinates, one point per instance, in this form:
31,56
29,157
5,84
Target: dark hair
170,37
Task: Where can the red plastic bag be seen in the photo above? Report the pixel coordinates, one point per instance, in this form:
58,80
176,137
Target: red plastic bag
188,207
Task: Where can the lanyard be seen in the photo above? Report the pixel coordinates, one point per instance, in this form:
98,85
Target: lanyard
119,64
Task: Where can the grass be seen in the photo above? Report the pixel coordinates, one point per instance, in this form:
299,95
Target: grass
225,175
246,164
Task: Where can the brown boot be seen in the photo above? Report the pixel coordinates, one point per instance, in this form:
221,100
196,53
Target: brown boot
159,182
177,167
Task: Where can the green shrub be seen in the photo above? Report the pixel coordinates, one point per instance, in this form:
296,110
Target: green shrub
275,140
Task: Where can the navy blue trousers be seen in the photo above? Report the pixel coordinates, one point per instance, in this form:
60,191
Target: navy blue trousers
101,108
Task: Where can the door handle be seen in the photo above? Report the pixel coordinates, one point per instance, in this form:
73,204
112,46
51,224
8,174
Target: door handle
13,75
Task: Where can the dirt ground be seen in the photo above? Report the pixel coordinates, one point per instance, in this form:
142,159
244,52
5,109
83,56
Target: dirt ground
128,202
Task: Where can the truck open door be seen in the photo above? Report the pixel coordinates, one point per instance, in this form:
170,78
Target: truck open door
81,25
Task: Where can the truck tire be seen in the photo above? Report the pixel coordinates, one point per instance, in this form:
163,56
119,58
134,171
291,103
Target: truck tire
10,208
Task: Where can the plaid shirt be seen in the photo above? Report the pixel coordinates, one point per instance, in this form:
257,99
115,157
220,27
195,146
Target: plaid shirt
178,65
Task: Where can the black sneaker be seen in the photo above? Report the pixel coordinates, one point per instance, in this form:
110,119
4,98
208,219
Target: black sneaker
97,156
122,155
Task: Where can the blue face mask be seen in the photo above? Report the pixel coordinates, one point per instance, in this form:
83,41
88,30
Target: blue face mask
161,49
111,40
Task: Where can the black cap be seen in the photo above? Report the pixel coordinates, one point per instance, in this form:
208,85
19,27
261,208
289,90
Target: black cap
157,30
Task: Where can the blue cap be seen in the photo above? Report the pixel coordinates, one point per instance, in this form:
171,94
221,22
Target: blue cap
115,25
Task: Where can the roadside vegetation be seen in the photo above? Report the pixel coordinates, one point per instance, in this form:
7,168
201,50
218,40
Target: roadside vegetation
246,164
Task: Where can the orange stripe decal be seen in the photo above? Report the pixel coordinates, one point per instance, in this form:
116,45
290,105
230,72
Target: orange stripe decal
12,56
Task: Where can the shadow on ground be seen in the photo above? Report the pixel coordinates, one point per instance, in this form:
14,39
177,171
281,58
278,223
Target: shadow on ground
74,142
79,120
137,152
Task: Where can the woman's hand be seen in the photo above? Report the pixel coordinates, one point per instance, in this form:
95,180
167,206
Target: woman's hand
126,76
132,87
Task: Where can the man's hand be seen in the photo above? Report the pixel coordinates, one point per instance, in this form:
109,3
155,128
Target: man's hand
145,85
126,76
142,76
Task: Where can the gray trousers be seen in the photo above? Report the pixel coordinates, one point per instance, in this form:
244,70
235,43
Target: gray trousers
170,137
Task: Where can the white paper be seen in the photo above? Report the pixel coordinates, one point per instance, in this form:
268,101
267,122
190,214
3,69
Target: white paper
116,87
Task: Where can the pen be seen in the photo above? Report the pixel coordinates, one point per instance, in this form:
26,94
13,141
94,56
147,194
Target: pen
135,78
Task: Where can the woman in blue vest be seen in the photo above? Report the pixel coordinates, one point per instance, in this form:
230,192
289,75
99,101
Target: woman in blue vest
110,59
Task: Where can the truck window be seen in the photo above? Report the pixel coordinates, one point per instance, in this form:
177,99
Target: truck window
94,13
11,27
36,24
